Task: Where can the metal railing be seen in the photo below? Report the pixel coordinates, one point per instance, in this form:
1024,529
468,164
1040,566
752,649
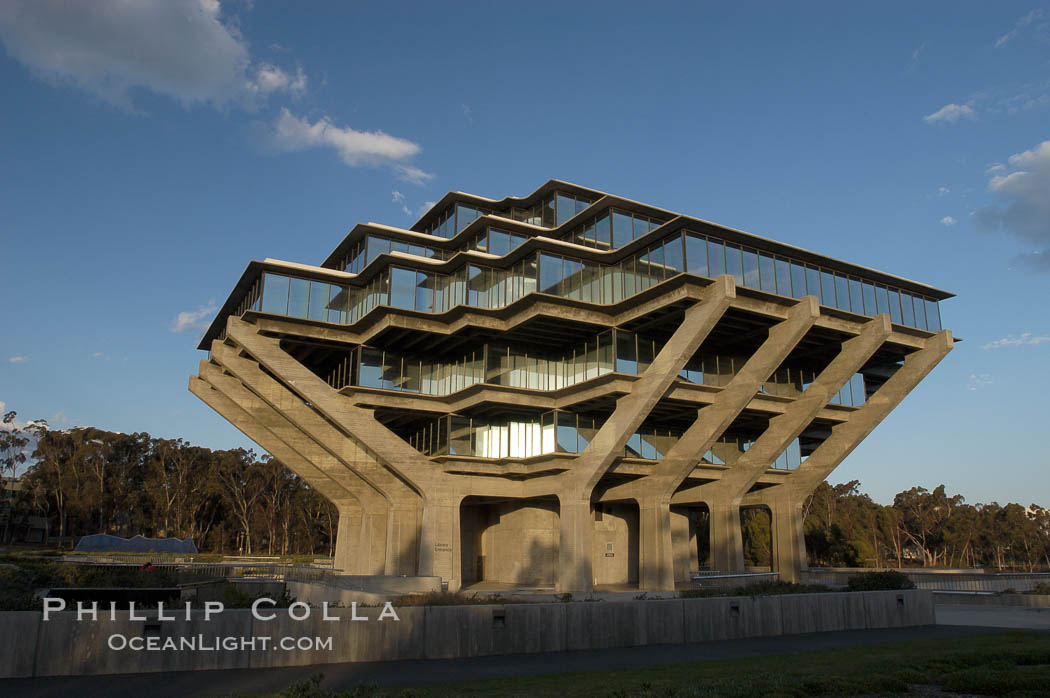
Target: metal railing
713,580
939,580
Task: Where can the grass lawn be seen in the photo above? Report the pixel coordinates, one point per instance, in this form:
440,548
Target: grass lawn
1003,664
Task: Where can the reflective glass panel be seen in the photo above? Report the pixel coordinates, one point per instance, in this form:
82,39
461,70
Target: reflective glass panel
696,254
673,255
813,282
299,298
319,300
275,294
842,292
641,226
920,312
550,274
895,305
623,229
751,278
499,242
402,287
566,208
767,271
733,264
798,280
907,310
602,234
827,288
933,316
868,291
716,258
882,300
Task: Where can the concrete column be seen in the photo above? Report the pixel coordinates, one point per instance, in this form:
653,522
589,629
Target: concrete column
789,542
655,545
350,535
727,541
575,546
439,539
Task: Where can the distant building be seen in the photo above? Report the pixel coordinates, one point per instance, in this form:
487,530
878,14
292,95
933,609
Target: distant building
546,390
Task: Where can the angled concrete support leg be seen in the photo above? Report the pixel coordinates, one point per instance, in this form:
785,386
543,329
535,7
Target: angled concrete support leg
575,546
348,538
727,541
656,551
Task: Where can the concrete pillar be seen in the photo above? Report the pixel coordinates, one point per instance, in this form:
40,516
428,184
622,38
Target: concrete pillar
789,543
727,541
439,540
349,536
575,545
655,544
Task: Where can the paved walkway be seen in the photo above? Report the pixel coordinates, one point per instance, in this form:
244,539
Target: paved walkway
248,681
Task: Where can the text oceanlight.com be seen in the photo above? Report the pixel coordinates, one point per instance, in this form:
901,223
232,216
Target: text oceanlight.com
202,643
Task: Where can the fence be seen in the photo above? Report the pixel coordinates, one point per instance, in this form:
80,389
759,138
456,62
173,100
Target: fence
712,580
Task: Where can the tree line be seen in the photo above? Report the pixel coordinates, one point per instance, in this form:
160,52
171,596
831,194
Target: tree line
922,528
86,480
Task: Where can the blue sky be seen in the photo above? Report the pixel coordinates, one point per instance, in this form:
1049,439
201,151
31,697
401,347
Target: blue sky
149,150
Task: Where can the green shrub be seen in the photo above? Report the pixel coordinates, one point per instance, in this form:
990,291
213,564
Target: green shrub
1041,588
890,580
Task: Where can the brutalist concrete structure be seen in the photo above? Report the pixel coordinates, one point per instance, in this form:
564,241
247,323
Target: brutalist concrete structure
566,389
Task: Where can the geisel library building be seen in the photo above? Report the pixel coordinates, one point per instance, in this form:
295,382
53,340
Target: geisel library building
567,389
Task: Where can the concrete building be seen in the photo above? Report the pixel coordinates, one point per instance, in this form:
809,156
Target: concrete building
564,389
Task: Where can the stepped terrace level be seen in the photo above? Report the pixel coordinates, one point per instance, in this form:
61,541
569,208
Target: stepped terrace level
567,389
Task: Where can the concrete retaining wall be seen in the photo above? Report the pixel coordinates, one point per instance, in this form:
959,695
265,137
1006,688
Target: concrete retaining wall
64,646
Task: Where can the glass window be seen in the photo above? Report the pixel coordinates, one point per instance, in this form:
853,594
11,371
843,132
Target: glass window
641,226
933,316
581,204
827,288
402,287
299,298
566,208
623,229
673,255
572,284
499,242
798,280
370,370
716,258
319,300
733,264
275,294
920,312
768,273
813,281
868,291
626,356
842,292
550,274
567,435
882,300
478,287
548,213
602,234
696,255
907,310
895,305
424,292
751,277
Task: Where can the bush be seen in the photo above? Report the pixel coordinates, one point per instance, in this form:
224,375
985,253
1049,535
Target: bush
891,580
772,588
1041,588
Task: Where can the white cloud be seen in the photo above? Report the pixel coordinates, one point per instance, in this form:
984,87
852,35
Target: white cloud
18,359
1025,339
979,380
399,199
942,191
194,320
427,205
948,220
179,48
1026,212
996,168
356,148
270,78
950,112
1025,21
97,355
